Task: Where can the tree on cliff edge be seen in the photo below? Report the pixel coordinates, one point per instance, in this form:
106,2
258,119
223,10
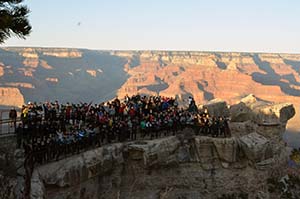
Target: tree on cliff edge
13,19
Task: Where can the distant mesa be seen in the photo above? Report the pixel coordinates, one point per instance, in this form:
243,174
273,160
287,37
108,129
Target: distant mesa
52,79
1,70
29,54
27,72
20,84
63,54
93,73
45,65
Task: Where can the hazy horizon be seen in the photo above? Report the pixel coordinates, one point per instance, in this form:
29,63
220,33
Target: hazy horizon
154,50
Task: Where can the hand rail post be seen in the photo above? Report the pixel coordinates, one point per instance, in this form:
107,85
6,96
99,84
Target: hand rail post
1,122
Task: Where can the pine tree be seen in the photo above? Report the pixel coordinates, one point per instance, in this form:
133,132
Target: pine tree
13,19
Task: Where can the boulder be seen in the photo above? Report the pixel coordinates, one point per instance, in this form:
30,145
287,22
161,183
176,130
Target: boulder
37,186
217,107
262,112
283,111
239,129
255,147
159,152
241,113
249,99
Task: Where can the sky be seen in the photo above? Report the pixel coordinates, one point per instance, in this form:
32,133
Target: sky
204,25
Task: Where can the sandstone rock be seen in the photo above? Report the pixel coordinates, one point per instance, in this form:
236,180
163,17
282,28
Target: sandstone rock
284,111
254,146
271,58
37,187
225,165
45,65
217,107
93,73
227,149
241,113
156,153
71,171
183,154
64,54
20,84
30,55
265,164
249,99
31,62
11,97
139,168
52,79
262,112
1,70
212,150
239,129
206,153
19,157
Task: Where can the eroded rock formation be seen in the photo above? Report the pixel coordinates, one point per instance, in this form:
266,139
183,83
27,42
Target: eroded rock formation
11,97
179,166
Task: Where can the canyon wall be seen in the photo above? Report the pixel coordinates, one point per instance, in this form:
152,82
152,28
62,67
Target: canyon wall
42,74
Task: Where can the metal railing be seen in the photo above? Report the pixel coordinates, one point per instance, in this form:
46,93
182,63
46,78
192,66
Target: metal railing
7,125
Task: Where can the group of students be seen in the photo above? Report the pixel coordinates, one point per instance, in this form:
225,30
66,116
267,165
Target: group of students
53,130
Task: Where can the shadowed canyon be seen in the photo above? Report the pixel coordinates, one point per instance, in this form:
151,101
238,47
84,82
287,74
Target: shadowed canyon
74,75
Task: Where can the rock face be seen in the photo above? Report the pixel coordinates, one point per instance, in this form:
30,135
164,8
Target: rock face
179,166
11,97
172,166
255,147
251,108
8,167
217,108
39,72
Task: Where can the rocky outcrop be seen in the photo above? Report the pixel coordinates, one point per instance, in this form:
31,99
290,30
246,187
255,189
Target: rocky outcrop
1,69
93,73
56,52
62,53
181,165
255,115
45,65
255,147
20,84
136,169
217,107
262,112
52,79
241,112
11,97
8,167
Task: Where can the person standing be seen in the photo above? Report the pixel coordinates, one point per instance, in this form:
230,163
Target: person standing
13,117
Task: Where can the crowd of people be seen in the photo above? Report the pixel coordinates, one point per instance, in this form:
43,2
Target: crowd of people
53,130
